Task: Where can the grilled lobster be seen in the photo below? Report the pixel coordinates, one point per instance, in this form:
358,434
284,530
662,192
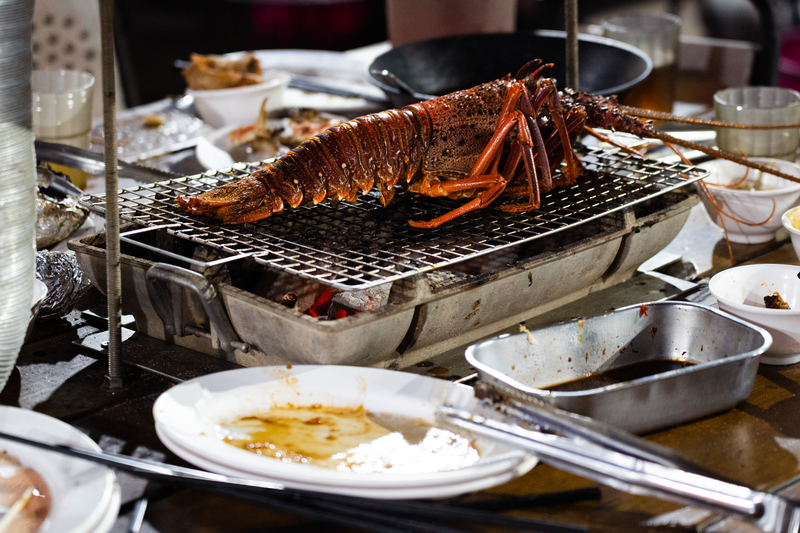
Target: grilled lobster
506,136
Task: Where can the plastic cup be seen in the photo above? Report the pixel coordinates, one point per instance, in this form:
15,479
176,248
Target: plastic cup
62,111
656,34
758,106
417,20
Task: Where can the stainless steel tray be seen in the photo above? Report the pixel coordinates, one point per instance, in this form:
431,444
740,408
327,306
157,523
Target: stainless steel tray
725,350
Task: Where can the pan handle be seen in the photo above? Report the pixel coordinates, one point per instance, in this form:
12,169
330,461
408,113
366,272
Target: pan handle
160,275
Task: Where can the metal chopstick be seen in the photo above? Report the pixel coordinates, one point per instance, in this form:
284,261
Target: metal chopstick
366,514
260,492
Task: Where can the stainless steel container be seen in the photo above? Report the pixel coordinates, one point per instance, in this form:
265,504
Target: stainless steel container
724,351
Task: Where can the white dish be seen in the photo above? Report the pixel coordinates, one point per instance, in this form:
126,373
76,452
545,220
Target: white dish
240,106
398,493
108,520
82,492
740,291
192,411
39,296
751,206
336,69
794,233
215,151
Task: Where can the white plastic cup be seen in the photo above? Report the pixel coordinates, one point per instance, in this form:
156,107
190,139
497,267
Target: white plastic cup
62,106
758,106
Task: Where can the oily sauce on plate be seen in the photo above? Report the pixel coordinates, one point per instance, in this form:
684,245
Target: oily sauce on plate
351,439
619,375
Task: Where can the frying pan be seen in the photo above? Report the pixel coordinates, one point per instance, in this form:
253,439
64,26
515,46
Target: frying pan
440,66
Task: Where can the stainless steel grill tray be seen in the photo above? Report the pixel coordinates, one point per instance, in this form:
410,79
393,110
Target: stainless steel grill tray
355,246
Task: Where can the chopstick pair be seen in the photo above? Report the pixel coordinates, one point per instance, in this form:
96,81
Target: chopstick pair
377,516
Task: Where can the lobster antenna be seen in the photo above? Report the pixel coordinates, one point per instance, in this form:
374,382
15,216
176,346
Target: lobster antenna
667,138
659,115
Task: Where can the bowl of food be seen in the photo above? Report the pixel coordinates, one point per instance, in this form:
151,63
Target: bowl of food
230,90
791,221
747,203
768,296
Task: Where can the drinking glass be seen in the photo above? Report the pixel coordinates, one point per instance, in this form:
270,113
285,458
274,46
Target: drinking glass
416,20
656,34
62,110
758,106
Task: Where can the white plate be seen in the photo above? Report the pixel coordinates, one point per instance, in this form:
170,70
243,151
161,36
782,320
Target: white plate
399,493
82,492
192,411
108,520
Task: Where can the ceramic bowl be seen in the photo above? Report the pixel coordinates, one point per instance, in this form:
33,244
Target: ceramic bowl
240,106
740,291
39,296
752,201
794,230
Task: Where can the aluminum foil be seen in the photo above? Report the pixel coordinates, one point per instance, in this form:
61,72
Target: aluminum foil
65,280
56,219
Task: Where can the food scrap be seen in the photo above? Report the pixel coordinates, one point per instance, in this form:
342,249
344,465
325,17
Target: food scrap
152,120
775,301
209,72
528,335
265,135
794,218
16,482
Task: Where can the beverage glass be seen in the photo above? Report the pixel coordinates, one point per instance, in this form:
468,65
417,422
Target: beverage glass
62,110
417,20
656,34
758,106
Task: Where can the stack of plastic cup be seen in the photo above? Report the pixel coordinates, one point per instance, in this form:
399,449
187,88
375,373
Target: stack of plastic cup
17,181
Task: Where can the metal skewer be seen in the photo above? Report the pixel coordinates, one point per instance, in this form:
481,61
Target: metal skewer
571,22
113,276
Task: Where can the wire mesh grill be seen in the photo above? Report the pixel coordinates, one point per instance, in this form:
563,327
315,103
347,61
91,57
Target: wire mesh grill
355,246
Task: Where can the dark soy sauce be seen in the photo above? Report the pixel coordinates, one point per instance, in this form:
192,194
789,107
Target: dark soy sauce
619,375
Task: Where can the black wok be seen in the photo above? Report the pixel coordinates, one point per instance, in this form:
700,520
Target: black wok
440,66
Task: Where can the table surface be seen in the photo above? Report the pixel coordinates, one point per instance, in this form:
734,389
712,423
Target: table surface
757,443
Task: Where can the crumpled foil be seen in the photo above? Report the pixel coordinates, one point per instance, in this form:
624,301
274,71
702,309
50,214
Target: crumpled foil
65,280
57,219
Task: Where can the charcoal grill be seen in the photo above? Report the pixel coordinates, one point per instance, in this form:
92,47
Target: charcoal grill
623,210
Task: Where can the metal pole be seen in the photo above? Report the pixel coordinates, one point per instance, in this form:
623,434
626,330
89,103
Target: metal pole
571,26
113,278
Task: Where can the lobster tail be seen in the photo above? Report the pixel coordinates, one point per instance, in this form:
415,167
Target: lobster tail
373,150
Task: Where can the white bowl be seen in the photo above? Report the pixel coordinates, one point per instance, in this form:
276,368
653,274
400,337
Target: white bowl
740,291
39,296
240,106
794,232
753,206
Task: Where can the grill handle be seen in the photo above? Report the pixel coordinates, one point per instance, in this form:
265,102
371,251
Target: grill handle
160,275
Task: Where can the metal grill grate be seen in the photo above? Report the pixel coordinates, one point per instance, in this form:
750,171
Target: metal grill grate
355,246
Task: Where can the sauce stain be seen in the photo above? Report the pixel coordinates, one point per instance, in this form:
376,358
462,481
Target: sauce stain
351,439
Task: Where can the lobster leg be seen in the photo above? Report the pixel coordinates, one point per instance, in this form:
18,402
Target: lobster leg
489,156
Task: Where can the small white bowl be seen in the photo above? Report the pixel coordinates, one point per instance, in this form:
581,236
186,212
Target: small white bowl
794,232
753,206
240,106
39,296
740,291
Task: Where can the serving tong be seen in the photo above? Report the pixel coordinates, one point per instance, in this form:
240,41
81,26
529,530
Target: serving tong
613,457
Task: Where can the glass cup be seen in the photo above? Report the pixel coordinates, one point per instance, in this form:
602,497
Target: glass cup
62,111
417,20
656,34
758,106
